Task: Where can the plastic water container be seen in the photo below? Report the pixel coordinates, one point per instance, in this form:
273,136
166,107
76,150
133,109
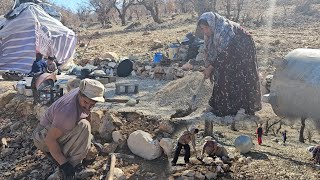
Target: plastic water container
157,57
173,50
20,87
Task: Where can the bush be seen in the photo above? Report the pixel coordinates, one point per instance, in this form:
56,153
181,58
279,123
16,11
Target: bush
305,8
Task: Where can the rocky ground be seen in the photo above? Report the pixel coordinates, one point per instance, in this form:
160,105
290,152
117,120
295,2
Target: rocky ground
158,100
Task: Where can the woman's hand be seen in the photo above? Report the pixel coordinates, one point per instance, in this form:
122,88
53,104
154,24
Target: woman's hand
208,73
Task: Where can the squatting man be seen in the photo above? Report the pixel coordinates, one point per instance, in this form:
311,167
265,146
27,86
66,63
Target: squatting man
64,132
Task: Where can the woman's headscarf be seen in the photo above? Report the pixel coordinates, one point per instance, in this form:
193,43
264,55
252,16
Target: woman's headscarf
222,34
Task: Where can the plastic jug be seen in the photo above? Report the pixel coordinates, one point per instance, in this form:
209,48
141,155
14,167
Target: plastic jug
20,87
157,57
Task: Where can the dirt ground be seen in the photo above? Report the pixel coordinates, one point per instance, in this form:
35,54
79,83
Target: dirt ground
271,160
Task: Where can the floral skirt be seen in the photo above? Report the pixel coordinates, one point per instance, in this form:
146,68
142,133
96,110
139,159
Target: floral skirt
236,80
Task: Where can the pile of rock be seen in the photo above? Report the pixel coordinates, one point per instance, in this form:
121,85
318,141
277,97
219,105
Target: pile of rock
165,70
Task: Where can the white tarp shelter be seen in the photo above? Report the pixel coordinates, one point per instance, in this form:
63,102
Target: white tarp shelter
29,29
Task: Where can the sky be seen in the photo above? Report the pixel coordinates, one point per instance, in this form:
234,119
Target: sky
72,4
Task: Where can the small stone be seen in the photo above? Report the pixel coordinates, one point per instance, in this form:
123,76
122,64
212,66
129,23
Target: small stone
218,161
189,173
112,64
118,137
199,176
208,160
132,102
15,126
6,152
211,175
242,160
118,174
226,167
109,148
219,169
85,173
249,159
146,33
92,153
55,176
194,160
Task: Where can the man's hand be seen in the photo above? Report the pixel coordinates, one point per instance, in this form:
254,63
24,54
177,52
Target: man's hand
51,141
67,171
208,73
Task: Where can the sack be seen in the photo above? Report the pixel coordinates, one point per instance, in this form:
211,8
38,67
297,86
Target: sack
12,76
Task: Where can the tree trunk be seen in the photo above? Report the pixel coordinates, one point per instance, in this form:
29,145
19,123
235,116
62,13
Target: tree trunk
155,16
123,19
233,125
154,10
213,5
208,128
303,125
228,9
267,128
279,127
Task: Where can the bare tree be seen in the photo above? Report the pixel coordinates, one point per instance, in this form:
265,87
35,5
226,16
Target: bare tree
68,17
170,6
137,11
213,5
208,130
5,6
284,4
309,133
239,8
83,12
153,7
269,124
227,5
122,6
303,125
279,128
201,6
102,8
185,6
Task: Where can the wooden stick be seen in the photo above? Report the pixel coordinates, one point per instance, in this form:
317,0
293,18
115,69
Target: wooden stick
113,163
120,155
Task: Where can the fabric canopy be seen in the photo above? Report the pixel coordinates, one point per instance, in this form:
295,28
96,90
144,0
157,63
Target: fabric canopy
29,29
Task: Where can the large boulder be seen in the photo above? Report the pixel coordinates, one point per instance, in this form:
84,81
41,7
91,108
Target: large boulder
141,144
166,126
96,120
6,97
167,146
105,130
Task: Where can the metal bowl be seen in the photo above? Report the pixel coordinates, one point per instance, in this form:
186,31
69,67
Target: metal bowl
243,143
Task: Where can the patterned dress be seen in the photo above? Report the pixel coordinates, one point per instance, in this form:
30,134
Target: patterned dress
236,80
231,51
316,154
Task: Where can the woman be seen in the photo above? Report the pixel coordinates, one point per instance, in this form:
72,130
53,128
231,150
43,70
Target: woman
231,60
